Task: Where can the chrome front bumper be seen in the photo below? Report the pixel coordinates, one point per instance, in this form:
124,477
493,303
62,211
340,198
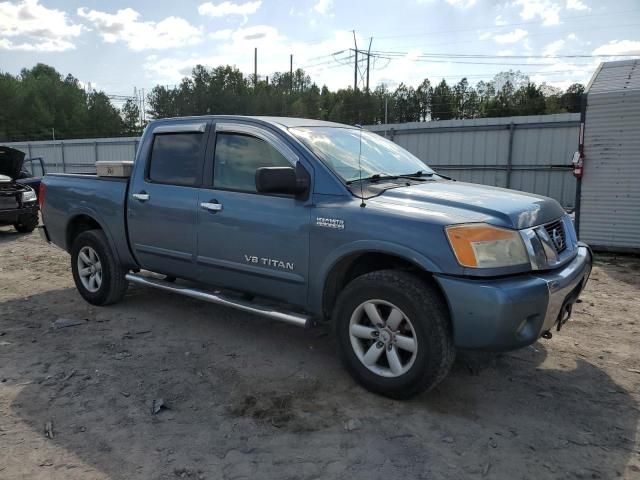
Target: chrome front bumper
566,285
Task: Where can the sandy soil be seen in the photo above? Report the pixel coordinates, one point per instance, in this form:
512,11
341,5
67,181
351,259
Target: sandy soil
250,398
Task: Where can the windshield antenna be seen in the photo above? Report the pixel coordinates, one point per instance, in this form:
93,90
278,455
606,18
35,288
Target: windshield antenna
362,204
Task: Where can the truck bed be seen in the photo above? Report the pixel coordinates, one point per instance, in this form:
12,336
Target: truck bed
71,195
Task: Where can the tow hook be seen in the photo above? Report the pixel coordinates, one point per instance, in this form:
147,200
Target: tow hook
547,335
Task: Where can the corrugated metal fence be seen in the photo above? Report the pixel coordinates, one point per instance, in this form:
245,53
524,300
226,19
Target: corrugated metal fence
78,156
531,153
526,153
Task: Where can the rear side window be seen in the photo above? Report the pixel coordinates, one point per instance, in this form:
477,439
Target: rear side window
237,158
176,158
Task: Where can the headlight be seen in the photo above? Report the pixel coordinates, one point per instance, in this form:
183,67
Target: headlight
480,245
29,196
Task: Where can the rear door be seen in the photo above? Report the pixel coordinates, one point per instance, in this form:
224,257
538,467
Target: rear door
247,240
163,199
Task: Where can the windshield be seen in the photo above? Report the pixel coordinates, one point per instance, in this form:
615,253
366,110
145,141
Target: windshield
339,148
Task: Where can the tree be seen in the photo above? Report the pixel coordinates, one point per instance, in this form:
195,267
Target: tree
131,118
442,102
103,119
571,100
424,94
39,101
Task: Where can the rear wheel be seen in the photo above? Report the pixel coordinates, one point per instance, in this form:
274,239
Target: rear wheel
394,333
26,224
98,276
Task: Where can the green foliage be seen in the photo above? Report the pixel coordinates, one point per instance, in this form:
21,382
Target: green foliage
38,103
131,118
39,100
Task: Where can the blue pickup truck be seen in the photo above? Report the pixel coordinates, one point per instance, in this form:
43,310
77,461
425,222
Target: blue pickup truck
304,220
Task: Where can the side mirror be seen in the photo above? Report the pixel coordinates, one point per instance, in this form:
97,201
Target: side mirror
286,180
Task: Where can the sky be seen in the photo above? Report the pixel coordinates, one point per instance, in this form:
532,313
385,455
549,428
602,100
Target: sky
120,45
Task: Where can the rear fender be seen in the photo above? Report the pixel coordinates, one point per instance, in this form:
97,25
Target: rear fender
123,257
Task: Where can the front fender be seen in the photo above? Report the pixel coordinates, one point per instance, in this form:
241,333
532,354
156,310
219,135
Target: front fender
317,283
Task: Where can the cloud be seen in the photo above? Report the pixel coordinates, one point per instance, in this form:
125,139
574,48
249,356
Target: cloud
553,48
500,20
273,56
563,74
577,5
619,47
464,4
29,26
124,26
229,8
510,37
323,7
546,10
221,34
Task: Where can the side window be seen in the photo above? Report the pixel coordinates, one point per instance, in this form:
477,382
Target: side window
237,158
176,158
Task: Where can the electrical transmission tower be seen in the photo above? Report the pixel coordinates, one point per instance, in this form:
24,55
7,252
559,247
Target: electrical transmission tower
361,65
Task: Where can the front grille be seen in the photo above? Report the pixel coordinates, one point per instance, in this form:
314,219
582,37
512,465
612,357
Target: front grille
556,233
8,202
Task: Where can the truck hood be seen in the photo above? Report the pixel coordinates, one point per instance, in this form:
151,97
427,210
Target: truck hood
476,203
11,161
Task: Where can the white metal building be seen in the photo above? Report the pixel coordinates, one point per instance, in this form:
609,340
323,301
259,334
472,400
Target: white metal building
609,192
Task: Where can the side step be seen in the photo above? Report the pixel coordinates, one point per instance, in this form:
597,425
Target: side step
297,319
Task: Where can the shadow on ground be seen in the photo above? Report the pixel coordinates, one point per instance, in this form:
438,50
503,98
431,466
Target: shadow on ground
250,398
9,234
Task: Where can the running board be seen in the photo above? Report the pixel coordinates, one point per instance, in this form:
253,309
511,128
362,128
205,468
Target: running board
296,319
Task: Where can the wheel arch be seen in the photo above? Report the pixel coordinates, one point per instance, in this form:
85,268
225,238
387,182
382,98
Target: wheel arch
355,262
83,220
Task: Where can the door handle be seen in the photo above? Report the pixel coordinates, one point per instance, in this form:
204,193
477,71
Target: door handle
143,197
214,207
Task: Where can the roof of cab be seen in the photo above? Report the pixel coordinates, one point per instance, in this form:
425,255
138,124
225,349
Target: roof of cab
286,122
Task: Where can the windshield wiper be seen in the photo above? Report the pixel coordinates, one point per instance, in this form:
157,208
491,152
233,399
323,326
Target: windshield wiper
418,175
374,178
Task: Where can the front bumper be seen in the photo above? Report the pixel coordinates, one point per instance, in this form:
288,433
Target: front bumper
513,312
9,217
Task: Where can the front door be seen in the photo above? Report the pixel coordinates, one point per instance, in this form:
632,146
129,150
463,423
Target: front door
163,201
246,240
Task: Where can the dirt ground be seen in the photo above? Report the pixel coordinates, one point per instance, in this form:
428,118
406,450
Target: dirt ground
247,397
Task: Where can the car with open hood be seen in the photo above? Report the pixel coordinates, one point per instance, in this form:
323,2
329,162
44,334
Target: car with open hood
18,200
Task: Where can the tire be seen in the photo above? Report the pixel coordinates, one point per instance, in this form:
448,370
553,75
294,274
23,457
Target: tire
113,284
424,327
26,224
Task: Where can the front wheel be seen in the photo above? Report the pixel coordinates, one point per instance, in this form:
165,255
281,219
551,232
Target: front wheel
393,332
98,276
26,224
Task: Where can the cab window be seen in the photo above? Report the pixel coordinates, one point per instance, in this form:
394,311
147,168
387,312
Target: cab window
238,156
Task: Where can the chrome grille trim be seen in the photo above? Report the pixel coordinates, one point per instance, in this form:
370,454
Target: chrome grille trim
544,253
557,235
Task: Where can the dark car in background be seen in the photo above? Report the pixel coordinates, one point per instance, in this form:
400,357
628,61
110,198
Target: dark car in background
18,205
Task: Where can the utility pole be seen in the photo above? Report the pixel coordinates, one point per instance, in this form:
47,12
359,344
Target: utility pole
368,57
255,67
357,77
291,73
355,63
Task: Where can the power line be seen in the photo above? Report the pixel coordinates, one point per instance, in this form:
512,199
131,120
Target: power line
506,25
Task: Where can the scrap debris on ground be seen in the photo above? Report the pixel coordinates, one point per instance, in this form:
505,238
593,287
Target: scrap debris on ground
251,398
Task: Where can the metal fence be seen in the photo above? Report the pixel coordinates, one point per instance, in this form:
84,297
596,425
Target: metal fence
531,153
78,156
